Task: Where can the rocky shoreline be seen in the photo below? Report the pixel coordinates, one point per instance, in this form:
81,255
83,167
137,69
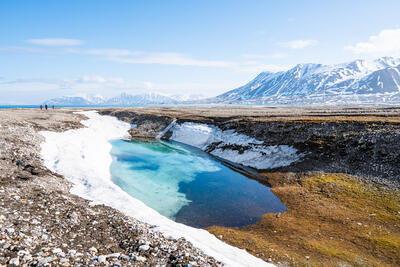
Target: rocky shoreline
42,224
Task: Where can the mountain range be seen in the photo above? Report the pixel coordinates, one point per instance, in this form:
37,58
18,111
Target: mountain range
356,82
123,99
359,81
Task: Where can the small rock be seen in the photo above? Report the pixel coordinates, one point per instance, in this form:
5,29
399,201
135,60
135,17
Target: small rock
62,260
39,254
307,257
44,236
71,251
10,231
22,253
46,260
101,259
93,250
144,247
359,223
141,259
124,257
278,215
113,255
14,262
56,250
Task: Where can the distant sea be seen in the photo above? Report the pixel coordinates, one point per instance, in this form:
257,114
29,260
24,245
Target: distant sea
38,106
19,106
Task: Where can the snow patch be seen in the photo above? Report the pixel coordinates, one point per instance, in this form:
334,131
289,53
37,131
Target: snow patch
261,157
201,135
83,156
254,154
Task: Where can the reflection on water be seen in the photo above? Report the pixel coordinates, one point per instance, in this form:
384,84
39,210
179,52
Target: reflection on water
186,185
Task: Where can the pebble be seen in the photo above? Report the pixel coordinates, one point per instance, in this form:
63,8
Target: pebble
62,260
46,260
144,247
56,250
113,255
101,259
141,258
124,257
71,251
93,250
14,262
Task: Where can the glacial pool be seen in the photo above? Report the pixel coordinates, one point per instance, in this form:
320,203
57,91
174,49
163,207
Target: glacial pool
189,186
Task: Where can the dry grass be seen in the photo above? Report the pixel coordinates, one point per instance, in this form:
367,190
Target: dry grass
332,220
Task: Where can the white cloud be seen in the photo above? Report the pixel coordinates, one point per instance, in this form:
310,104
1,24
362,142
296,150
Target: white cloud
251,62
84,82
299,44
55,42
106,52
387,42
95,79
140,57
170,59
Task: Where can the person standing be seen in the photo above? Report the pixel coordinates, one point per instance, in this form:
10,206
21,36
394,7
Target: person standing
41,107
52,106
45,106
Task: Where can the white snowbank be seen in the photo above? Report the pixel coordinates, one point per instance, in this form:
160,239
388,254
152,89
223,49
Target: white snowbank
83,157
257,156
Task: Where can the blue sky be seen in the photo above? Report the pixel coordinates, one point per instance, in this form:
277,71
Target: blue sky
53,48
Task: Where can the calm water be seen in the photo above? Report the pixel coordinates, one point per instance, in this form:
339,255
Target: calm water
188,186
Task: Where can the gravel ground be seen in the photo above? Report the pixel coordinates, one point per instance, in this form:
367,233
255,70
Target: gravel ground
42,224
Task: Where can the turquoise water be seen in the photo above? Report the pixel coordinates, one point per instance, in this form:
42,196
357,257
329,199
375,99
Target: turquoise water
185,184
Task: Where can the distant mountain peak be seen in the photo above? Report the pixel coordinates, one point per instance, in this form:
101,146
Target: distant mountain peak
377,79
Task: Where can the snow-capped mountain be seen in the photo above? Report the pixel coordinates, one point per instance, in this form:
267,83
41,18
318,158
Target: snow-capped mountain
358,81
188,97
141,99
85,100
123,99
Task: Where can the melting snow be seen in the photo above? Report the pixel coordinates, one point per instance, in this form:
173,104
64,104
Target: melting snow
255,155
83,156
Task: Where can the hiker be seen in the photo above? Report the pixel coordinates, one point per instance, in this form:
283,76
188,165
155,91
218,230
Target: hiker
45,106
52,106
41,107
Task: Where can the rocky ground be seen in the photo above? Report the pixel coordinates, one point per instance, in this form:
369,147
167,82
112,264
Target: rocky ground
41,224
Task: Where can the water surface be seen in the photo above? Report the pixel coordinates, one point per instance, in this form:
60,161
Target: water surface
187,185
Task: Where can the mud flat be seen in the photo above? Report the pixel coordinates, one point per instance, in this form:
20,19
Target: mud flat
343,194
41,223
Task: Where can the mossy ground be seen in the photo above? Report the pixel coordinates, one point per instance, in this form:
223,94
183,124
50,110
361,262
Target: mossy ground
332,220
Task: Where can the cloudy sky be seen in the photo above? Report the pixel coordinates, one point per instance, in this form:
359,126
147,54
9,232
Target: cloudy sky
54,48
